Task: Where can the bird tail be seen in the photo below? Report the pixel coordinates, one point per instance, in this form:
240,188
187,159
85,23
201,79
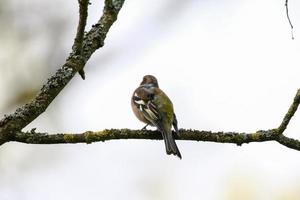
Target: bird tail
171,147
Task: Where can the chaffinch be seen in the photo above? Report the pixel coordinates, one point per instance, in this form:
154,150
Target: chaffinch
153,107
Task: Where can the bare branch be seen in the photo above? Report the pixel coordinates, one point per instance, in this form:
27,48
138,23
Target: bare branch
288,17
33,137
289,142
93,40
221,137
184,134
83,13
84,46
78,41
288,116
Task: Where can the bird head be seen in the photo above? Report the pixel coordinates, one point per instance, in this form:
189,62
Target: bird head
149,80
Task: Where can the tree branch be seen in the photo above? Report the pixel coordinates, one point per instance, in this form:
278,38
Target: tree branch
84,46
288,116
83,13
78,41
184,134
93,40
221,137
289,142
288,17
33,137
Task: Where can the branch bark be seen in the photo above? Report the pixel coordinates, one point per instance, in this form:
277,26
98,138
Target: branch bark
84,46
92,41
276,134
78,41
184,134
33,137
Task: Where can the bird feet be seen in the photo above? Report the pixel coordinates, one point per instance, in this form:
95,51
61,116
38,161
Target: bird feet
145,127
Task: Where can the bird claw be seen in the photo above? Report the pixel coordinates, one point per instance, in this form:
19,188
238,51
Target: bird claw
145,127
176,135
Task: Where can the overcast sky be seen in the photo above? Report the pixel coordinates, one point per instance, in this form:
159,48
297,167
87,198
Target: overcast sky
226,65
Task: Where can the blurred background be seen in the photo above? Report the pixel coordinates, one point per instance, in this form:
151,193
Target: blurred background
227,65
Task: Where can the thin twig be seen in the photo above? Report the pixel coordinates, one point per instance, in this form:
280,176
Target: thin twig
83,13
288,17
78,42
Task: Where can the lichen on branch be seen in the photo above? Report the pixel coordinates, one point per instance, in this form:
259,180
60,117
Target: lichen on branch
93,40
85,44
33,137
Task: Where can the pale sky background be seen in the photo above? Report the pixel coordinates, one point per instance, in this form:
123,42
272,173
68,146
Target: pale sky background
226,65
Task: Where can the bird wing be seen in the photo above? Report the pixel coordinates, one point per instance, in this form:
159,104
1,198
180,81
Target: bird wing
175,123
143,100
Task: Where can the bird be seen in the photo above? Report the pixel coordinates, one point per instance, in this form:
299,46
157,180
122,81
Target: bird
153,107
